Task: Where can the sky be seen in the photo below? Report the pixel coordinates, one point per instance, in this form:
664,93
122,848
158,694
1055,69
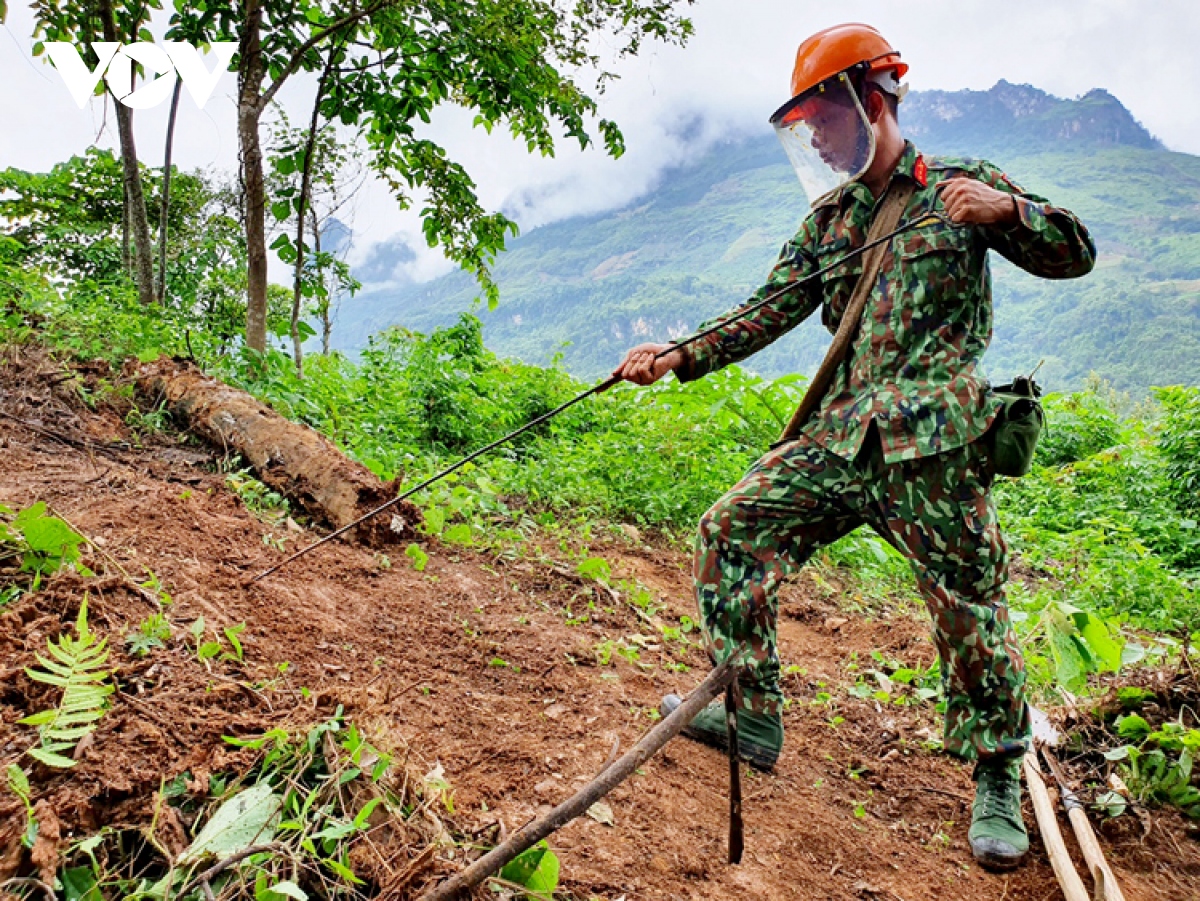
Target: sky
672,103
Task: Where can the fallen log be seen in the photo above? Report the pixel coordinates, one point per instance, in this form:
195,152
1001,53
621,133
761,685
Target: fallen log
608,779
291,458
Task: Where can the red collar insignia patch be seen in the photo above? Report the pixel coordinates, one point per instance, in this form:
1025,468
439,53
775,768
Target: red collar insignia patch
920,172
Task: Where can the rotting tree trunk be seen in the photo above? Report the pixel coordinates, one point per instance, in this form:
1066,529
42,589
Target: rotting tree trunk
290,458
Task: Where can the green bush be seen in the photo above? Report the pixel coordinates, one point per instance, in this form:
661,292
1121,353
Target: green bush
1179,444
1108,511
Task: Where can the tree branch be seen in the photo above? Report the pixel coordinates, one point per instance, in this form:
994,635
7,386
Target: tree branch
298,56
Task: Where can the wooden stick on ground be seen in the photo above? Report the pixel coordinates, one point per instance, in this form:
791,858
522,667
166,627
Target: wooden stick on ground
1107,888
1043,808
737,839
529,835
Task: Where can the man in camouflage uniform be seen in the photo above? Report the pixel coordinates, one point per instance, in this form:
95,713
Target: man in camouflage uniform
896,442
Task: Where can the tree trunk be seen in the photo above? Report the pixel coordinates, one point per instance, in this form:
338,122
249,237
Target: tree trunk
305,188
290,458
126,253
250,79
166,196
326,302
135,198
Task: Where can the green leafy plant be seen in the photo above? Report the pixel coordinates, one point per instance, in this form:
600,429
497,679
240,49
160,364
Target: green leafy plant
417,556
153,632
76,669
18,784
269,506
1081,643
35,545
1154,776
206,651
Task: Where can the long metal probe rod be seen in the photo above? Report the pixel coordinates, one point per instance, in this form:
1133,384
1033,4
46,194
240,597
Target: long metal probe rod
609,382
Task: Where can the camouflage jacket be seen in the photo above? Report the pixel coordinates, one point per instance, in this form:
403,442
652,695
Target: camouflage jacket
914,366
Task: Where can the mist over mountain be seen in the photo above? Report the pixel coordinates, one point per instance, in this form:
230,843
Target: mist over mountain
700,242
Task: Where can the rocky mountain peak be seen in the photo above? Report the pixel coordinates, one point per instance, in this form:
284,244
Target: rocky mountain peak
1020,117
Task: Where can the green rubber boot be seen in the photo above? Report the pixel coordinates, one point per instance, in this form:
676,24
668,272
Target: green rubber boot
997,835
760,736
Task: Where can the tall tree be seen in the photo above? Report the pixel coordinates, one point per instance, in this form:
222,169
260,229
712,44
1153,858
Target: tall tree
313,174
302,206
505,59
276,39
165,205
84,21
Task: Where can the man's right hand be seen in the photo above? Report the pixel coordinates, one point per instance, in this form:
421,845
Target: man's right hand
641,367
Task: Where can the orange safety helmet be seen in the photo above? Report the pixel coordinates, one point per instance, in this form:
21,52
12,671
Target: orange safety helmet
839,48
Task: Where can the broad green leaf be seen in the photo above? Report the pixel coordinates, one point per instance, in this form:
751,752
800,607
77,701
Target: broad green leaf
435,520
1112,803
79,884
284,889
525,864
246,819
1103,645
1071,670
536,868
1133,726
596,568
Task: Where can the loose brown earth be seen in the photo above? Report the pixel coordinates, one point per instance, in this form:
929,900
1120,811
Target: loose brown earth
480,663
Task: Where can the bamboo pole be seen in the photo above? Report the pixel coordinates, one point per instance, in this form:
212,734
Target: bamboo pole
1106,887
608,779
1043,809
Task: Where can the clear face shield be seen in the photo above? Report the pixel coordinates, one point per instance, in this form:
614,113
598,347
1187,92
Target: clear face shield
826,135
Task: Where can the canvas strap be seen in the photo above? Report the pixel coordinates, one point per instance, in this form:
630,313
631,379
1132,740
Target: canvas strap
886,220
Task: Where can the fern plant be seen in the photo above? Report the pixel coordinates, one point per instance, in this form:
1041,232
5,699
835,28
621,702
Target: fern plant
76,669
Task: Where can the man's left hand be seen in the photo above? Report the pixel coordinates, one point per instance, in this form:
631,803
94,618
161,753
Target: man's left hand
968,201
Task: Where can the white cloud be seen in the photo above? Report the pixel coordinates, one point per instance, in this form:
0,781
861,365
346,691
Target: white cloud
732,75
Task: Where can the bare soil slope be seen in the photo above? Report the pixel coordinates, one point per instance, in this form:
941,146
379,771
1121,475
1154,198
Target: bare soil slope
481,662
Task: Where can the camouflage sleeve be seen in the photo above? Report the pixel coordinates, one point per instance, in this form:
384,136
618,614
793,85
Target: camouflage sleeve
1049,241
744,337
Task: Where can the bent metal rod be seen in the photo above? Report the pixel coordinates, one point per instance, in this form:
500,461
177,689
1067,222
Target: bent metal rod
928,219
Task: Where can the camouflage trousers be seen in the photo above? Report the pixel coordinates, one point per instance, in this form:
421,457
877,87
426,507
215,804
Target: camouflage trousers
937,511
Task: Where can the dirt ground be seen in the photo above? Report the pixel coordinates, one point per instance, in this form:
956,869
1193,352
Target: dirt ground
485,664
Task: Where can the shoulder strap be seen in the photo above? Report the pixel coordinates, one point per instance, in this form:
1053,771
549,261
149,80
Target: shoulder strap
885,221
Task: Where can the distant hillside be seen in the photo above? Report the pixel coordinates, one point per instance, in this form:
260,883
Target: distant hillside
706,236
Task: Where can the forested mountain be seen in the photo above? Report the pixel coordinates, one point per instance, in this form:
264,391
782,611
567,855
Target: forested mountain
590,287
